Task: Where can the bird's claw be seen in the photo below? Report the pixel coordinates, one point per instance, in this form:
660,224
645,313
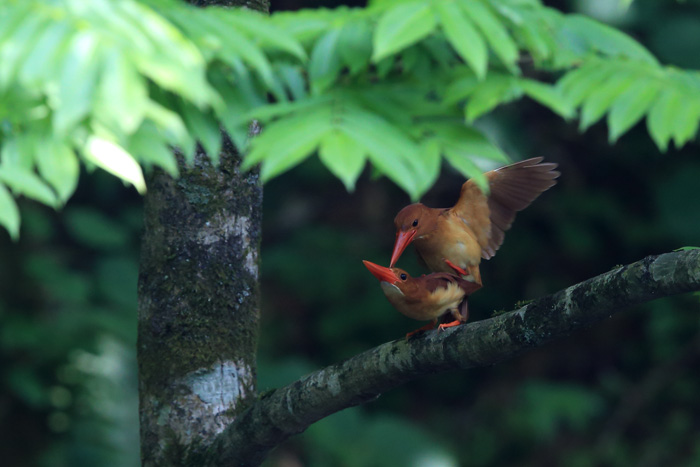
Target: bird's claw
427,327
443,326
457,269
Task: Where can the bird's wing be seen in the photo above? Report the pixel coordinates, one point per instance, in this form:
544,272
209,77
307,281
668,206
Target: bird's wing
440,280
473,210
512,189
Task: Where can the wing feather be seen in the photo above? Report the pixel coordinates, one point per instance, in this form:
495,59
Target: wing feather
512,188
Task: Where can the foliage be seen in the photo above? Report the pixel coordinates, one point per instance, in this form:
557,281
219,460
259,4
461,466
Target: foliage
115,84
67,314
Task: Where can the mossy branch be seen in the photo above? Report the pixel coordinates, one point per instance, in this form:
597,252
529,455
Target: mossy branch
291,409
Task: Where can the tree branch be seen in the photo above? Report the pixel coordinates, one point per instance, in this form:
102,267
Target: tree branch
290,410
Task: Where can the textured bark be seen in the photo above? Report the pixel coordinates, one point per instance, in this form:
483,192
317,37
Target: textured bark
198,305
291,409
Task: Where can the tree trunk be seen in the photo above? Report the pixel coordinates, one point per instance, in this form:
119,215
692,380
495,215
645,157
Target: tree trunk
199,301
198,306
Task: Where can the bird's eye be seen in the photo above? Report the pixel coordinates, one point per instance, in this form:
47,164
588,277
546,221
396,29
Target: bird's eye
415,223
403,277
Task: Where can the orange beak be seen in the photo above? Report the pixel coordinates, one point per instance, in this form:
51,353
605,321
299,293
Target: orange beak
381,273
402,241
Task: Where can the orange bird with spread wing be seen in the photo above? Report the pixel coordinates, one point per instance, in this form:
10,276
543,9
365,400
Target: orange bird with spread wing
426,297
455,239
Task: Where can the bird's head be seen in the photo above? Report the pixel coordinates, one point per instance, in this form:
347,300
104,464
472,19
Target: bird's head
391,275
412,221
394,281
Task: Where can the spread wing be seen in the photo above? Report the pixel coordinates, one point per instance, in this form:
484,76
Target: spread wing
512,189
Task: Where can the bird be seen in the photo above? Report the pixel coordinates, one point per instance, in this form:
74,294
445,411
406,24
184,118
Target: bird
427,297
454,240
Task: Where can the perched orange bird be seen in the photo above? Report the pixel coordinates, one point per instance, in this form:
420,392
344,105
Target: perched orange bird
425,297
455,239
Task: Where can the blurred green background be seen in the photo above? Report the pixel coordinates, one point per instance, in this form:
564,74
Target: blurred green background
623,393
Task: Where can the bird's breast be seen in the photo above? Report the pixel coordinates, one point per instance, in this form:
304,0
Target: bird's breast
425,306
452,240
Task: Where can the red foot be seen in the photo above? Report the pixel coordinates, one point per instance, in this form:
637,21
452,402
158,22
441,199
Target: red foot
459,270
427,327
449,325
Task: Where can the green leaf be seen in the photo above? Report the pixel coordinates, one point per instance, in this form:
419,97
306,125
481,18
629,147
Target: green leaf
494,31
14,18
76,83
463,36
311,130
355,45
687,248
148,145
171,60
26,182
15,50
460,143
440,51
204,128
343,156
460,89
121,97
396,104
469,142
9,214
249,90
43,59
490,93
687,119
603,97
113,19
401,26
409,59
274,111
115,160
388,148
234,46
170,122
286,142
577,85
549,96
325,62
537,35
304,25
661,119
385,66
432,161
604,38
466,167
293,79
258,27
58,165
631,106
19,150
